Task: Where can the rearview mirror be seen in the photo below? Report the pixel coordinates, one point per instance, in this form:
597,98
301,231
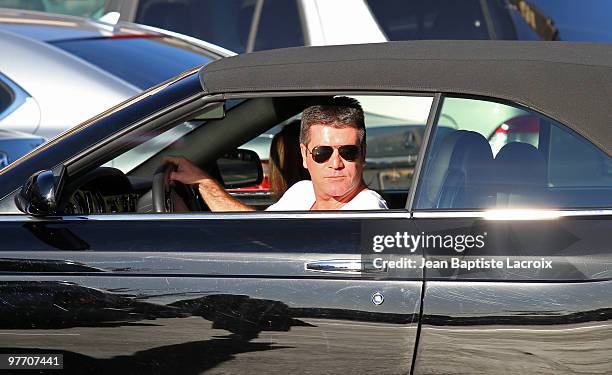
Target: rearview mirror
39,195
240,168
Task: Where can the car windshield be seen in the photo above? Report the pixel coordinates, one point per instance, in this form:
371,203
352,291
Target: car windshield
145,60
234,24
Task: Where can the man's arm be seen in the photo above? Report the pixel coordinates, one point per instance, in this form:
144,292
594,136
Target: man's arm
217,198
212,192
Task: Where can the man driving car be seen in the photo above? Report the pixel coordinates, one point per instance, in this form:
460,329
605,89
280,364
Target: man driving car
333,149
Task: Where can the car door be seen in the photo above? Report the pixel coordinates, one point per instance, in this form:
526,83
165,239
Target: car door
273,294
218,292
523,285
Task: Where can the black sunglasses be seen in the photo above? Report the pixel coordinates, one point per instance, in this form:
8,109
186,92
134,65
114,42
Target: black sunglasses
321,154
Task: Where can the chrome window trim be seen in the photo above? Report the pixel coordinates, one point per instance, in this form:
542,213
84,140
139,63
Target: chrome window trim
209,47
511,214
382,214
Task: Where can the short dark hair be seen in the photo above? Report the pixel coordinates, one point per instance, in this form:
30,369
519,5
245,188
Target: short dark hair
337,112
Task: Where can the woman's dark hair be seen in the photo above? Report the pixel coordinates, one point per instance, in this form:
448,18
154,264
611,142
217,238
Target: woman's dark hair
286,160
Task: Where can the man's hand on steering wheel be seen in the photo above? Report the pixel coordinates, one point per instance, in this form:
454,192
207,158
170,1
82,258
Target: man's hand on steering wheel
213,193
186,172
172,189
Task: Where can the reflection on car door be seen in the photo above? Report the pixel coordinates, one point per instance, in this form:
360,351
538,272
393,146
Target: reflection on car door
190,293
528,316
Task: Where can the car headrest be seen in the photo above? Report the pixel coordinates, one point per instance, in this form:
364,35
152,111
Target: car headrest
461,153
520,173
521,164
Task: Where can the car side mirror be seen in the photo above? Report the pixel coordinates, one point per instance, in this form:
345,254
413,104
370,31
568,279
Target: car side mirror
240,168
39,195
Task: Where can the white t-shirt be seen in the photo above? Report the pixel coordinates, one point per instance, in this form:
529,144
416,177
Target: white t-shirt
301,197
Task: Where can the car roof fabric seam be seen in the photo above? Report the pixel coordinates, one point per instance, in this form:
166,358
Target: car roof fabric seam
211,69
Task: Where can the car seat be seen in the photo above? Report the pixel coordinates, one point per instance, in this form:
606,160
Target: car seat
520,178
459,174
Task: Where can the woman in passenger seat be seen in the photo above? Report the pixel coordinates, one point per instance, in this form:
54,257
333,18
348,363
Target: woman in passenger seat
285,160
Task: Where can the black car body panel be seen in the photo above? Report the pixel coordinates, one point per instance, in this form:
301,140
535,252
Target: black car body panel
576,246
193,280
486,327
225,324
478,314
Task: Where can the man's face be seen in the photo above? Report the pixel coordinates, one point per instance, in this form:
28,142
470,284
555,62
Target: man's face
334,177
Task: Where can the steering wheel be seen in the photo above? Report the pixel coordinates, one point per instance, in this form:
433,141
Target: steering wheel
173,196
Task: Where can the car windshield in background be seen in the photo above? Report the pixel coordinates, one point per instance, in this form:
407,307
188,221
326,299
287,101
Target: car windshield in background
145,60
234,24
443,19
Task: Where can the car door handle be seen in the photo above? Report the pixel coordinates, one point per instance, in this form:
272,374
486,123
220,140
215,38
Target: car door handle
345,266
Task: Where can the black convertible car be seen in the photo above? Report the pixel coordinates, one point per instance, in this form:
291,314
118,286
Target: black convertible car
494,256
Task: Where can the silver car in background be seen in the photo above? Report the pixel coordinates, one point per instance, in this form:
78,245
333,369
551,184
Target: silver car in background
58,71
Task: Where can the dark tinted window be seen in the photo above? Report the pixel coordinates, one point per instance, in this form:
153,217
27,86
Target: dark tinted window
279,25
431,19
143,62
575,163
6,97
502,19
226,23
523,31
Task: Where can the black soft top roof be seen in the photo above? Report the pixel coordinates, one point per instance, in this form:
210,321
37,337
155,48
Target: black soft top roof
570,82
